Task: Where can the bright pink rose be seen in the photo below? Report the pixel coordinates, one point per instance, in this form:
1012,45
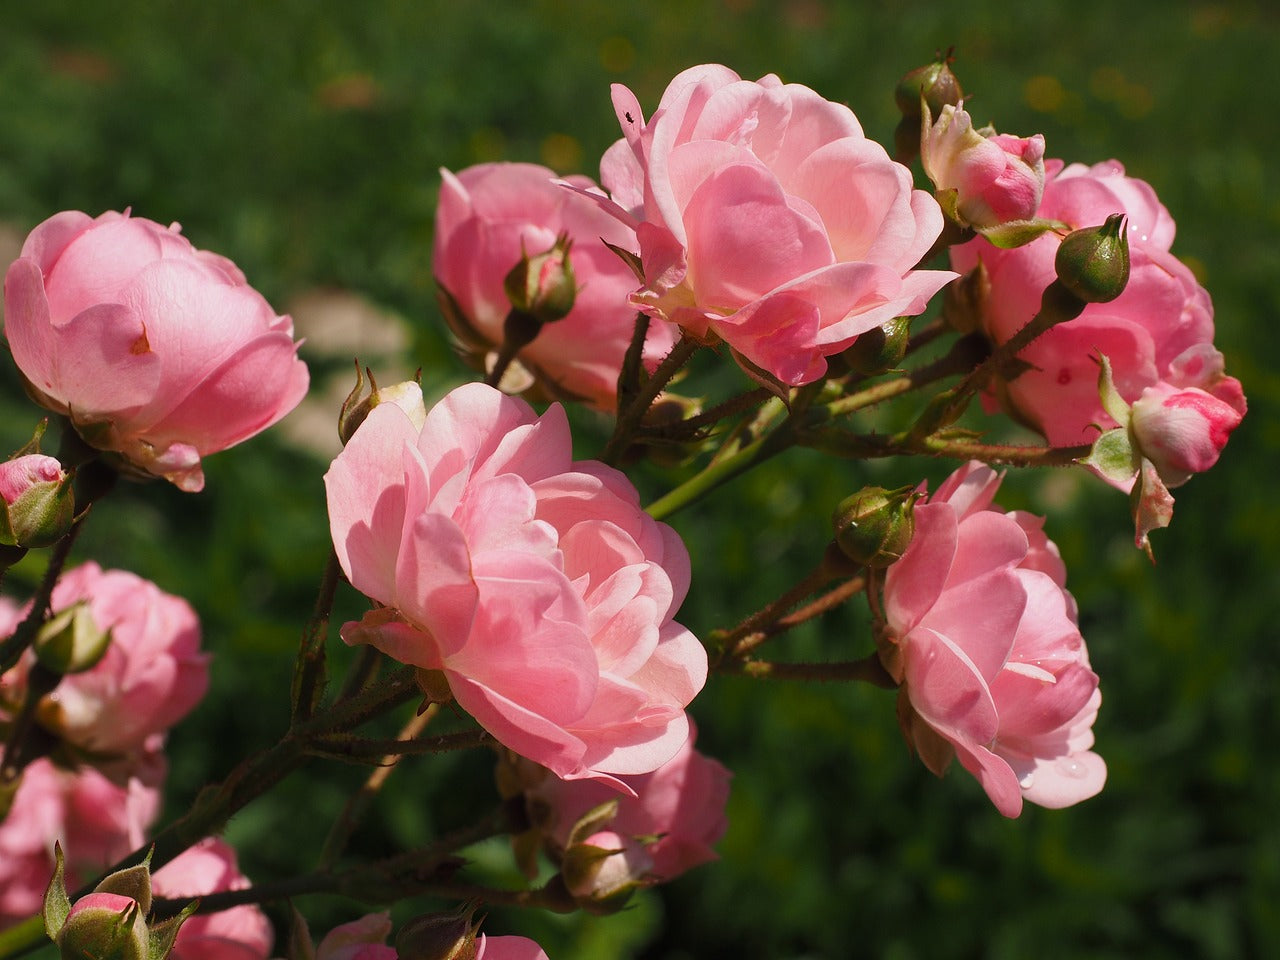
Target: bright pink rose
151,676
157,351
996,178
681,804
239,933
492,214
536,584
767,219
508,948
1182,431
96,821
1159,327
982,636
363,939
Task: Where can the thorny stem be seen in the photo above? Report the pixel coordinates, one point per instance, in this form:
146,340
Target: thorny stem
12,648
816,608
762,619
629,418
309,669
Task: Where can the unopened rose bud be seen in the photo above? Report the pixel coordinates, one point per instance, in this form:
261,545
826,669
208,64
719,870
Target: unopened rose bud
1181,431
880,349
983,179
1093,263
440,936
407,396
602,871
936,86
38,502
934,82
104,926
543,285
71,640
874,527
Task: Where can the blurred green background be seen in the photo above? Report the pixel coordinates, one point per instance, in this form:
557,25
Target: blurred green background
303,139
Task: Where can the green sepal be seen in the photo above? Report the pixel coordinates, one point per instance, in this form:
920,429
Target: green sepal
162,935
1017,233
1113,457
300,945
132,882
593,821
1116,406
629,258
57,905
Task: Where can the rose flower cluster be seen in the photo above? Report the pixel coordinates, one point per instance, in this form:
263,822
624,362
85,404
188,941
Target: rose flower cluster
530,586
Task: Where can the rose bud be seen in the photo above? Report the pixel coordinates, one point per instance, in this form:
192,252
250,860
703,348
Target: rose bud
1181,431
38,502
983,178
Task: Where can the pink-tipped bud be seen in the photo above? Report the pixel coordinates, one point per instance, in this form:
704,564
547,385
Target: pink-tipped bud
983,179
543,285
38,502
602,871
1181,431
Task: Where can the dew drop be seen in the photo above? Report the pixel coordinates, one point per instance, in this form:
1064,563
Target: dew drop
1027,779
1070,767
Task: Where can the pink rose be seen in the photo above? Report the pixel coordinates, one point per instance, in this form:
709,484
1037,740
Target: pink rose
1162,323
363,939
767,219
489,217
1182,431
996,178
239,933
151,676
679,808
508,948
536,584
982,636
157,351
96,821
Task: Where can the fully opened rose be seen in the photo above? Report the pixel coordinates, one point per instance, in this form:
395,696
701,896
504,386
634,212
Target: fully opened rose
537,585
982,636
766,219
158,352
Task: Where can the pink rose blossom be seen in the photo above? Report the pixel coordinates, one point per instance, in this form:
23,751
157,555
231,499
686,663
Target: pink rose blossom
537,585
492,214
680,805
1157,329
363,939
508,948
997,178
1182,431
768,220
96,822
157,351
239,933
982,636
151,676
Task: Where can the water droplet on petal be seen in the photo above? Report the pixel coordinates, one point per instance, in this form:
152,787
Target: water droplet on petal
1027,778
1071,767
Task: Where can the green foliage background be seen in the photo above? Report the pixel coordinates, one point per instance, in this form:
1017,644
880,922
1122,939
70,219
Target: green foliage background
303,139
